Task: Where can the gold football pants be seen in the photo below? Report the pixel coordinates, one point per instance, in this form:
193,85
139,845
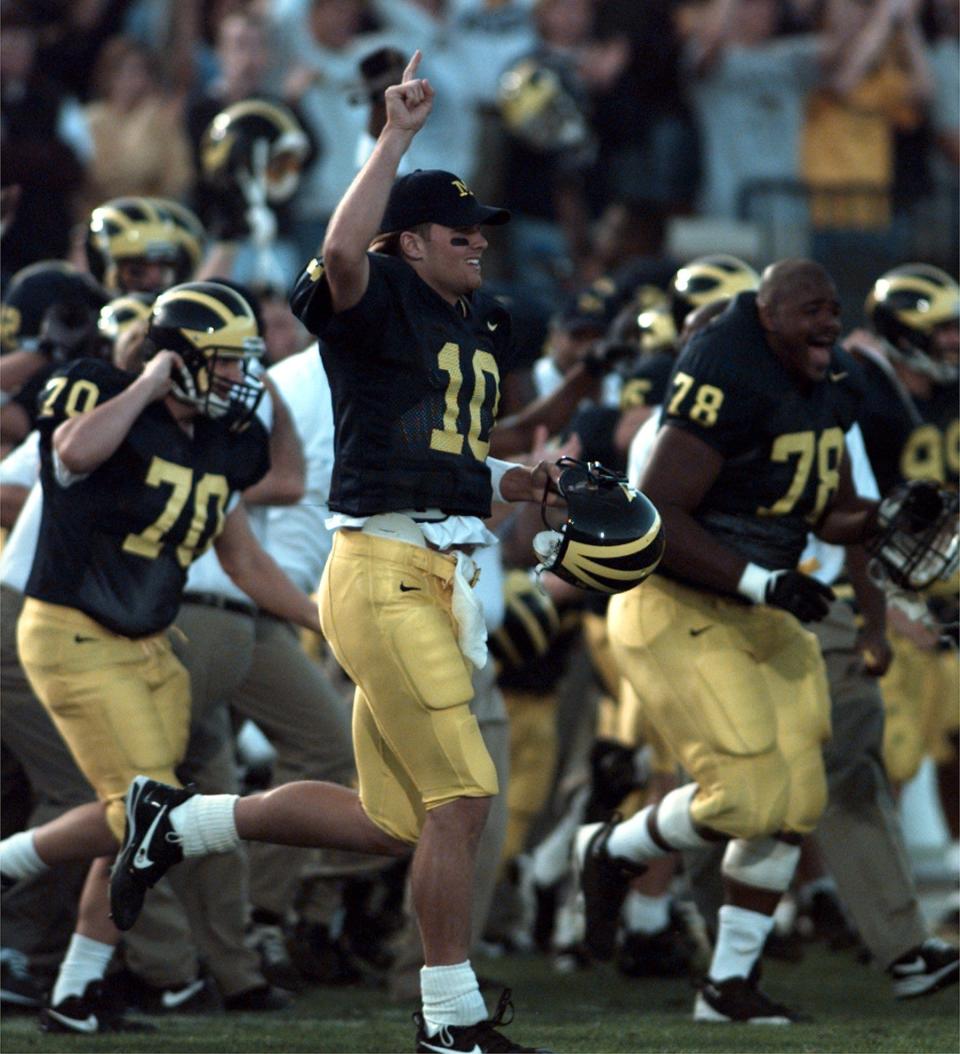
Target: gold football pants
921,704
739,695
386,612
121,705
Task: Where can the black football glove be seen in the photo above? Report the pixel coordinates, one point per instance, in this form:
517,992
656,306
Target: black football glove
799,594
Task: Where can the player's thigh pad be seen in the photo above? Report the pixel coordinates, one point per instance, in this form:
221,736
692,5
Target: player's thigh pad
121,705
698,662
399,646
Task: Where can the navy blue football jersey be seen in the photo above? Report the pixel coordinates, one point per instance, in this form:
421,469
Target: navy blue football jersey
782,446
415,383
646,384
116,544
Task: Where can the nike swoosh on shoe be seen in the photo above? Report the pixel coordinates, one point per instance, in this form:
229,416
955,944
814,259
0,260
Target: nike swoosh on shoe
89,1024
171,998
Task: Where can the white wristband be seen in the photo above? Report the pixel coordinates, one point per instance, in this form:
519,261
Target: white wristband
498,469
754,581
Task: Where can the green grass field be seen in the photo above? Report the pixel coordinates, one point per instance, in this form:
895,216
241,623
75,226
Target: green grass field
597,1010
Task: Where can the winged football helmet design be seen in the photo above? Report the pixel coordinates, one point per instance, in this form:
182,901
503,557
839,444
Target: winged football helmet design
209,324
611,538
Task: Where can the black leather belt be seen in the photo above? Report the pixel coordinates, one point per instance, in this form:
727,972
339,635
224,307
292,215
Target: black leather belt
221,603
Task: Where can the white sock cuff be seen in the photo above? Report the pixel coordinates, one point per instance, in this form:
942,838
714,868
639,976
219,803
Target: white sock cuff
765,863
206,824
447,982
19,857
674,821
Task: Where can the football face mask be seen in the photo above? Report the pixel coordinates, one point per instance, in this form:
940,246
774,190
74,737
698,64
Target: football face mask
917,542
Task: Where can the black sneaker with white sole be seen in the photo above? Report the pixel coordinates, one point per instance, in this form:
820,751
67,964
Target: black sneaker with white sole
89,1014
739,999
150,846
604,880
475,1039
925,969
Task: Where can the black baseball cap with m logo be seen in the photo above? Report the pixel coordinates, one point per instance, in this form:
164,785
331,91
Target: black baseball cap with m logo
430,195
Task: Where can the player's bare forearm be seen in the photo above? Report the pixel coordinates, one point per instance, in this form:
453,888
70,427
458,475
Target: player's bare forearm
356,220
254,571
83,443
284,482
850,523
514,434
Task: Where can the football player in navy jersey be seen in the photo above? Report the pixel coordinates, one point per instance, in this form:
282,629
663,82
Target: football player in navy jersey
140,475
749,458
413,350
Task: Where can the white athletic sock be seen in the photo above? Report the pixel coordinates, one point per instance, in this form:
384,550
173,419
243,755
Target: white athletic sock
740,939
19,857
206,824
643,914
451,996
86,960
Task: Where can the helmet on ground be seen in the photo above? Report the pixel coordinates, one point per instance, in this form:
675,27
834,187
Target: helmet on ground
209,325
611,538
530,622
155,230
51,306
708,278
906,306
256,146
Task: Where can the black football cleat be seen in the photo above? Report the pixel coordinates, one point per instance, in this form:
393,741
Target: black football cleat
150,846
604,880
926,969
474,1039
88,1014
738,999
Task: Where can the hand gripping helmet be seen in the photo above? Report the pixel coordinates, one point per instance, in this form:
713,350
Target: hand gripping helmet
142,228
256,146
905,307
611,538
209,325
530,622
51,306
117,316
917,542
539,109
708,278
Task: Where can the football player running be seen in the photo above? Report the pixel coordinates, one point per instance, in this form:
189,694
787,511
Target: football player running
413,351
749,458
139,476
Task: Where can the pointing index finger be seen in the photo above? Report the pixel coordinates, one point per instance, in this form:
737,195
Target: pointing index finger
411,71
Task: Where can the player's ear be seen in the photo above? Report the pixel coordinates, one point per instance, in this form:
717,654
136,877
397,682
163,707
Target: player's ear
411,245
